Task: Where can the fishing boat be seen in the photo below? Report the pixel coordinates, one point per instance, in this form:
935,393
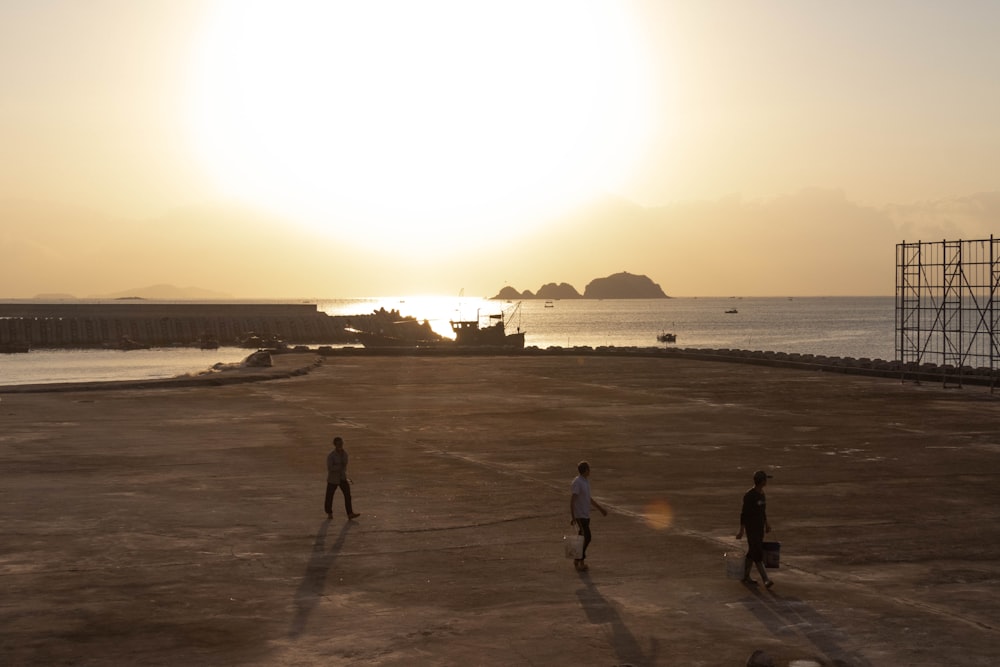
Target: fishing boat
388,328
667,337
732,311
469,333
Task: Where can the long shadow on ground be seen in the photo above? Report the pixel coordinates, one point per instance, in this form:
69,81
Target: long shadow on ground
313,583
788,617
602,612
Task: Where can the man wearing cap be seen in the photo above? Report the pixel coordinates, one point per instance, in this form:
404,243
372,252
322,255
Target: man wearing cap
753,521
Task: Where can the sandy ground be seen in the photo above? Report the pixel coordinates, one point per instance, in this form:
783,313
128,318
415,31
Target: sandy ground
183,525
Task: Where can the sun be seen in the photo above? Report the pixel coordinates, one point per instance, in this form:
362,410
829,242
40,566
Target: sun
428,125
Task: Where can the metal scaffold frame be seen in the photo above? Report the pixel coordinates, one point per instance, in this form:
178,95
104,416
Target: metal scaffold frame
947,307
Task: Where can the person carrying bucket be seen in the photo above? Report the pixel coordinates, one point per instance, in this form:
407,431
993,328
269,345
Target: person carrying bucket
753,522
580,503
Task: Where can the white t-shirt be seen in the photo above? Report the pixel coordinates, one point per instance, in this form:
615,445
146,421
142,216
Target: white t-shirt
581,497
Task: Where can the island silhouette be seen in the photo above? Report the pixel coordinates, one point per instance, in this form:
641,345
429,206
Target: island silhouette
622,285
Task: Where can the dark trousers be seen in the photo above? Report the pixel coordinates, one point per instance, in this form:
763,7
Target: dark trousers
584,525
755,546
331,489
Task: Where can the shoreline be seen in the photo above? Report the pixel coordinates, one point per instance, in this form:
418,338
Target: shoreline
232,374
283,366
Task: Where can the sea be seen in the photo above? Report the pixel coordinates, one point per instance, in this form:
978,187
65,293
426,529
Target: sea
858,327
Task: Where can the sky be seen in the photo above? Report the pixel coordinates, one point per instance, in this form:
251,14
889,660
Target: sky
307,149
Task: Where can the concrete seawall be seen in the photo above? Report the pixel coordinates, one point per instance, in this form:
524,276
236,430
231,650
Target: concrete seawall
157,324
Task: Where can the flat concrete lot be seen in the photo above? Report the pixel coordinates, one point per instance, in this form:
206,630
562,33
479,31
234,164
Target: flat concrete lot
184,525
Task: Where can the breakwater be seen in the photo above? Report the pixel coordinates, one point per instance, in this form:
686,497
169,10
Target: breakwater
69,325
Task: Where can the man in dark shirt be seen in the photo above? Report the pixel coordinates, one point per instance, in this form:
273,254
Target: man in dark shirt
753,521
336,477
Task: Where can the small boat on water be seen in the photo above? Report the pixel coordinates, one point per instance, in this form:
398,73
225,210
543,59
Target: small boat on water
125,344
667,337
208,342
732,311
250,340
549,304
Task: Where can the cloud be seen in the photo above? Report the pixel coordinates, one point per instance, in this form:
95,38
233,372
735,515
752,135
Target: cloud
971,217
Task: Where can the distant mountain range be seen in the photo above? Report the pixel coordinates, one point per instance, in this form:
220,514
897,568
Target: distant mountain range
157,292
617,286
169,292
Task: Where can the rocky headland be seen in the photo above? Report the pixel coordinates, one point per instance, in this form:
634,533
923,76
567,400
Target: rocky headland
617,286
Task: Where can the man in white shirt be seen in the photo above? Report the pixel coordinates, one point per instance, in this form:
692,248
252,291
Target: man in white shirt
580,503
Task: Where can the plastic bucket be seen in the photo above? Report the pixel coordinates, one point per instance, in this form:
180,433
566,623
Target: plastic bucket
772,554
734,564
573,546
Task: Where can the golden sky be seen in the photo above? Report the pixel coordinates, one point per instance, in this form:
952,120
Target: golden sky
336,149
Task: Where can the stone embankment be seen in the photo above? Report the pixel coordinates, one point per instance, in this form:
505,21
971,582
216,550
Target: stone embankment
159,324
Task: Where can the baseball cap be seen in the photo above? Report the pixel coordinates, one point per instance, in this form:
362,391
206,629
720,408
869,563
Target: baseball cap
760,476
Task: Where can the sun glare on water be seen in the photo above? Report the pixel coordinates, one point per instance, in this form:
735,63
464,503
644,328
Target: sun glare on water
418,124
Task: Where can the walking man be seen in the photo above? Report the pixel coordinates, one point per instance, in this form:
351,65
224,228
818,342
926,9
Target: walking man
753,521
336,476
580,503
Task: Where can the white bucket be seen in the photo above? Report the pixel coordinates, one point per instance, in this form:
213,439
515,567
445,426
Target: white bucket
573,546
734,564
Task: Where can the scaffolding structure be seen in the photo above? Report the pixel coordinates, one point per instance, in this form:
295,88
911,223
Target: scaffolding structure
948,307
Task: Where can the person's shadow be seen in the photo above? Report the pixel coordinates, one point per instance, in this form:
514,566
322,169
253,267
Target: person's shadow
314,582
601,612
791,616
